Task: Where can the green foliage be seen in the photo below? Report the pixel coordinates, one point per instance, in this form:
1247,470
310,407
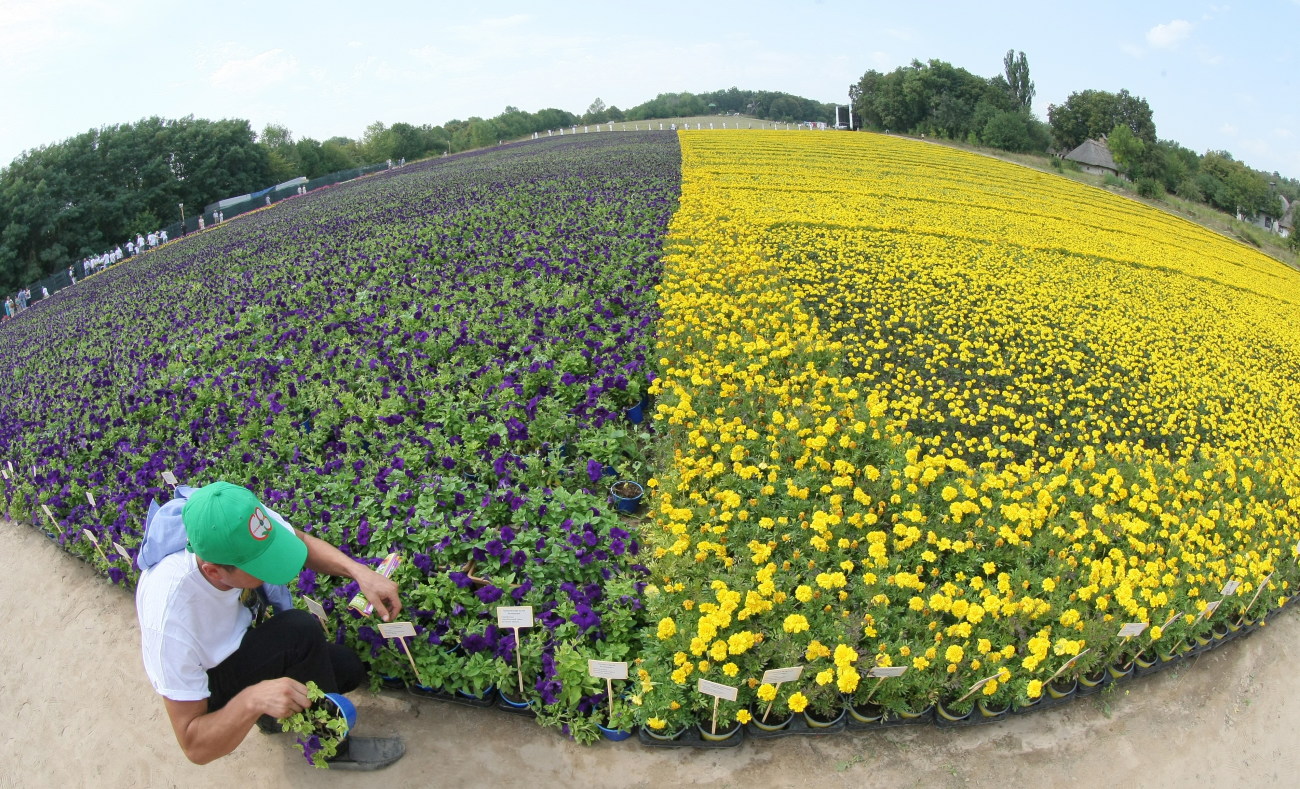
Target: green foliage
1236,187
1149,187
89,192
939,99
1091,113
767,105
1125,147
1016,72
1009,131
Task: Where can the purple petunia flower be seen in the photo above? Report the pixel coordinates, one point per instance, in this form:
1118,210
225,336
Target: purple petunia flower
585,618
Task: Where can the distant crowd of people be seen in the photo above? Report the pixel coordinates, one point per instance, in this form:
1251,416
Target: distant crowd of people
91,264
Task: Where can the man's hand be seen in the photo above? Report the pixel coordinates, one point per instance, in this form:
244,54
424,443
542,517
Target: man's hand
278,698
380,592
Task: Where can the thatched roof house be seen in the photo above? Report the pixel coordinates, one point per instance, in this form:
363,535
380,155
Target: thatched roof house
1094,157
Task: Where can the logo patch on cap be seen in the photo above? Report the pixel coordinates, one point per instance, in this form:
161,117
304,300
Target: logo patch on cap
259,525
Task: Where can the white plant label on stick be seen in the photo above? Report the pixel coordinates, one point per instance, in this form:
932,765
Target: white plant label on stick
1210,608
90,536
402,631
716,690
117,546
515,616
1132,629
49,514
6,474
776,676
317,610
169,478
607,669
981,683
887,671
1067,665
91,498
396,629
10,463
1229,588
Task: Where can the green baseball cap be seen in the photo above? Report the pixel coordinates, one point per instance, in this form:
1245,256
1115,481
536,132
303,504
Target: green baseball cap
226,524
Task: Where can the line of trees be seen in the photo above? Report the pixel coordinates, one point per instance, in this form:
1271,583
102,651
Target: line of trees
938,99
941,100
90,192
84,195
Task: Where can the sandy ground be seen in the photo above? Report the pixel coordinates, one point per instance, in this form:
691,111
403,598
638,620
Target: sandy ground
80,712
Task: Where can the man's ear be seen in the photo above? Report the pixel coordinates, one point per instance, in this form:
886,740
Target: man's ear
210,571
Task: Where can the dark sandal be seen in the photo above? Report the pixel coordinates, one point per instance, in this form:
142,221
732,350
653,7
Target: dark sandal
366,753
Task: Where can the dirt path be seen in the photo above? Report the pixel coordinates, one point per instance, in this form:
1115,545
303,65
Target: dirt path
79,711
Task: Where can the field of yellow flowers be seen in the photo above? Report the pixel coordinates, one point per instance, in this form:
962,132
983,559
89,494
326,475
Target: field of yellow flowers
941,413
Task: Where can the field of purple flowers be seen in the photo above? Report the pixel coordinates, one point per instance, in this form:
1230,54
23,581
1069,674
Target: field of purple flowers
434,361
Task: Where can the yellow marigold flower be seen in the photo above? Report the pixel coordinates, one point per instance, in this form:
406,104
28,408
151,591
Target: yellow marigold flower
656,723
797,702
816,650
743,716
845,655
954,654
667,628
795,623
766,692
1034,689
719,650
848,678
739,643
731,669
825,677
803,593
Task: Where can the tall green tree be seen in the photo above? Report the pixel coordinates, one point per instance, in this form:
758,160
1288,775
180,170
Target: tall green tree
1015,69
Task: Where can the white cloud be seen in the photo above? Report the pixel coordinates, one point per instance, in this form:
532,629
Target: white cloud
255,73
1228,129
1170,35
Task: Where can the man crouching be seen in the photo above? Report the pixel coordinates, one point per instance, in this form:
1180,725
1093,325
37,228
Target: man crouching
218,669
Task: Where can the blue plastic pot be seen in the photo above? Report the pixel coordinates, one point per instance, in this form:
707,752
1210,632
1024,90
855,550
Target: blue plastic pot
615,735
345,707
636,413
628,504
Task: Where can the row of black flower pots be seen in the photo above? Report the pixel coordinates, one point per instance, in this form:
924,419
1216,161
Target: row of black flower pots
868,717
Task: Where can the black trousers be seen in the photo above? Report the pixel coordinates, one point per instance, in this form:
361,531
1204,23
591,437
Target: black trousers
291,644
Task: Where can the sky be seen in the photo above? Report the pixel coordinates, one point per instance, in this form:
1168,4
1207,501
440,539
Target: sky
1217,76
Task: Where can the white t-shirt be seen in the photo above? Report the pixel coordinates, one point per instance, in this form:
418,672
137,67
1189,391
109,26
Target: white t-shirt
187,626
